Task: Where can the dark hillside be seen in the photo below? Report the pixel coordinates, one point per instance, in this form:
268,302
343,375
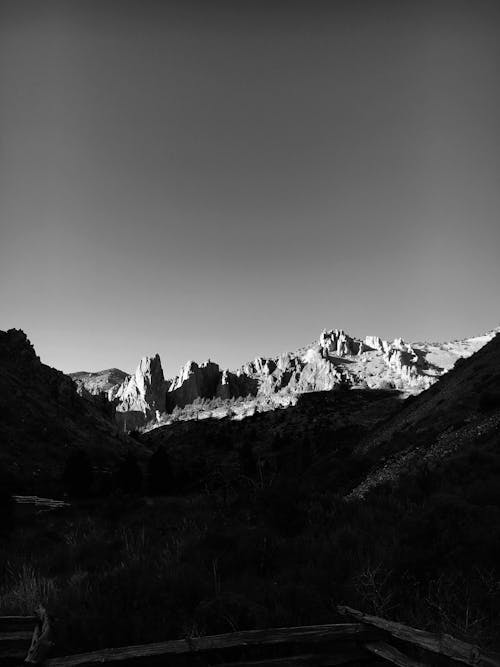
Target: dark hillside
321,424
43,419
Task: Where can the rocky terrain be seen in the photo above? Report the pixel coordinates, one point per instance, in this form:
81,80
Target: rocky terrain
335,359
44,419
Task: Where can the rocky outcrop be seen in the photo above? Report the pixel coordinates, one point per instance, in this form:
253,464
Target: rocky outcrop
141,397
194,382
234,385
102,382
337,342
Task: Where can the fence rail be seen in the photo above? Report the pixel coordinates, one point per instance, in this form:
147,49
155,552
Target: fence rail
40,504
366,640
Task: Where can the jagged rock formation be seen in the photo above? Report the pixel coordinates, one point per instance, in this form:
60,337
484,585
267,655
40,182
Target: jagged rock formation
43,418
335,360
194,381
234,385
142,395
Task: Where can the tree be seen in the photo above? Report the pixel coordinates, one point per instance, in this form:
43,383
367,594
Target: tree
78,475
160,473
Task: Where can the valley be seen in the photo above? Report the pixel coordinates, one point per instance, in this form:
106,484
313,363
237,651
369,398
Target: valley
352,495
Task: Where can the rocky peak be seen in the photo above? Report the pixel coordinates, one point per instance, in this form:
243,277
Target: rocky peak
149,375
144,392
338,343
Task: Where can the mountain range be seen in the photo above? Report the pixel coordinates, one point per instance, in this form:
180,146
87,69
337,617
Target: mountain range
335,360
46,414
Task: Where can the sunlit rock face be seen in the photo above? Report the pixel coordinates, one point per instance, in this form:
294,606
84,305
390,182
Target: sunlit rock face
338,359
105,382
142,395
337,342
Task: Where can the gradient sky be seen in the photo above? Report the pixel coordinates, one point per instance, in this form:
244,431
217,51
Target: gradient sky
226,179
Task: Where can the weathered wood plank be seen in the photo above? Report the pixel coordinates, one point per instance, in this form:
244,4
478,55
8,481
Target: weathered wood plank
145,652
40,502
442,644
309,660
41,642
391,654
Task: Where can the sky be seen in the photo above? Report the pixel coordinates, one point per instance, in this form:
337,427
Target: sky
225,180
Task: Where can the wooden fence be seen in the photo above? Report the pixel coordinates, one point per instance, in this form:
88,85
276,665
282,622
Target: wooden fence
364,640
40,504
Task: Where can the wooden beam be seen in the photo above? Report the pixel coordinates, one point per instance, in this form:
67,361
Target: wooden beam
441,644
391,654
151,652
36,501
310,660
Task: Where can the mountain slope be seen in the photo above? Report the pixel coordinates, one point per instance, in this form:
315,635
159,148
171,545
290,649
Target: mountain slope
460,411
43,418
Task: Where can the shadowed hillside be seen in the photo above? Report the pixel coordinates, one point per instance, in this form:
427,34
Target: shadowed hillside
43,419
